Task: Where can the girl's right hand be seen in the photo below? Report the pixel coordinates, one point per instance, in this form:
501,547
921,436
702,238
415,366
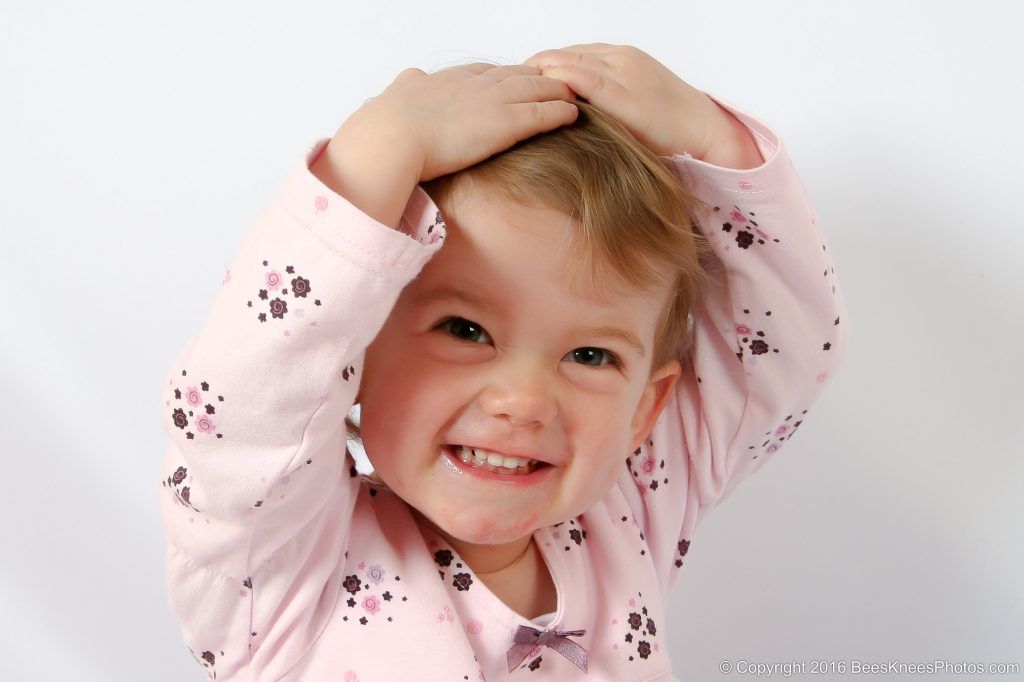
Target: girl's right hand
462,115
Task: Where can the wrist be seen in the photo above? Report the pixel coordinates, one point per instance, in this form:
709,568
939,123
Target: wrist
728,143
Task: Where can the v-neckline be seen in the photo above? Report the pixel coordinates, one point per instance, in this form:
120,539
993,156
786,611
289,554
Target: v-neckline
494,603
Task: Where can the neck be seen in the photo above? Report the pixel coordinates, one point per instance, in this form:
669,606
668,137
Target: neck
484,560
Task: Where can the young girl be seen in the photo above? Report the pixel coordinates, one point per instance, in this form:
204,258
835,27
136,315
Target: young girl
525,276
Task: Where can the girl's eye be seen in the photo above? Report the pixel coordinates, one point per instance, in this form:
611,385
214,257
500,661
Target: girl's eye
461,327
464,329
589,353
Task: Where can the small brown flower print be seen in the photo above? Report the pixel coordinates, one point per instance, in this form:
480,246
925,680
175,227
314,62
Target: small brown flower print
536,663
575,535
263,294
262,317
684,546
758,347
278,308
650,627
443,557
462,581
644,649
744,239
179,475
300,287
185,493
635,621
180,420
209,657
352,584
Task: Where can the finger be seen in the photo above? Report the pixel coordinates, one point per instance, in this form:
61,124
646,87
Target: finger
508,70
573,54
594,86
531,118
537,89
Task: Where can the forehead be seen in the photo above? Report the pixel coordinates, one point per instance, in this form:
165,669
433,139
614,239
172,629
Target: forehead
506,259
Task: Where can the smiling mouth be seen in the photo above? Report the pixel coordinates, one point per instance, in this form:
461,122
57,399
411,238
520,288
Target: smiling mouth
473,459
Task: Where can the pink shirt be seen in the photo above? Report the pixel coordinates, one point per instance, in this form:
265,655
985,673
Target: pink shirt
284,564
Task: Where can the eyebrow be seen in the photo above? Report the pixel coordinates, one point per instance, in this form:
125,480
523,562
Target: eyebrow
447,293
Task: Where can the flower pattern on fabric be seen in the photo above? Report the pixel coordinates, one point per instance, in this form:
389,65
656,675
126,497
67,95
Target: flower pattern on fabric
778,435
208,660
278,308
640,630
747,231
182,493
436,231
646,469
577,534
195,414
753,339
682,548
379,605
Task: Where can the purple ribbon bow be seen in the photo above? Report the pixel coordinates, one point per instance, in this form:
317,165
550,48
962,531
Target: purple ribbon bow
526,638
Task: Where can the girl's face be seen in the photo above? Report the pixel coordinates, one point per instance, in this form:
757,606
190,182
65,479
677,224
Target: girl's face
490,346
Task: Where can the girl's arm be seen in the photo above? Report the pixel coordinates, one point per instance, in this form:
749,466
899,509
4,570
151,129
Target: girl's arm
769,336
257,488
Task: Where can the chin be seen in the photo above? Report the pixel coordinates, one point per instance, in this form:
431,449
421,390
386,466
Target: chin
491,529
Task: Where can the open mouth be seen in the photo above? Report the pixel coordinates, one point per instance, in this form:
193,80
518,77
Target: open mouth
492,463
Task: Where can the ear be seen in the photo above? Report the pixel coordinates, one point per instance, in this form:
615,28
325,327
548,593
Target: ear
659,388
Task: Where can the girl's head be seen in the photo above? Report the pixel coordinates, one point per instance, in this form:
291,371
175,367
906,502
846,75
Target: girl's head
553,320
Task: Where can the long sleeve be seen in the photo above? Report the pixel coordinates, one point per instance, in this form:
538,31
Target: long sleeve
257,488
769,335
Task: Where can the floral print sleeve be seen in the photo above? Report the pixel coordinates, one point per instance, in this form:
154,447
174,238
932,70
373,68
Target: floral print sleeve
769,336
256,488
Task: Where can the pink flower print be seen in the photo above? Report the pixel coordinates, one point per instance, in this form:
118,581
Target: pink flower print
204,424
761,233
445,615
274,280
742,329
822,377
737,216
772,448
648,465
193,396
781,430
321,205
371,603
474,627
350,675
362,565
375,573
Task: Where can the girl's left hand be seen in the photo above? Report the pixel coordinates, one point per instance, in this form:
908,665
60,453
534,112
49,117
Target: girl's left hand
656,106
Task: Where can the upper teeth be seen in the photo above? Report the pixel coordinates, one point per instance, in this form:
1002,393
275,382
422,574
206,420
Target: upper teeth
493,458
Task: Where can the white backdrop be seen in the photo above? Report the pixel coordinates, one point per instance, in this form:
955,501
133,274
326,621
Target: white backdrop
140,138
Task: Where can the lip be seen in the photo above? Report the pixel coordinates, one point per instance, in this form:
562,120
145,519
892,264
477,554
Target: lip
457,466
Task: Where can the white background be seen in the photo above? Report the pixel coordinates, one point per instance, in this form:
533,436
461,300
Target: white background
139,139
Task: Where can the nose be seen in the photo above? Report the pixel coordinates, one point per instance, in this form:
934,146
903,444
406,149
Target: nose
521,395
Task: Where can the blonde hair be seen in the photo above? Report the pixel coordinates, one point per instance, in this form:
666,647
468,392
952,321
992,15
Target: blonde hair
634,212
